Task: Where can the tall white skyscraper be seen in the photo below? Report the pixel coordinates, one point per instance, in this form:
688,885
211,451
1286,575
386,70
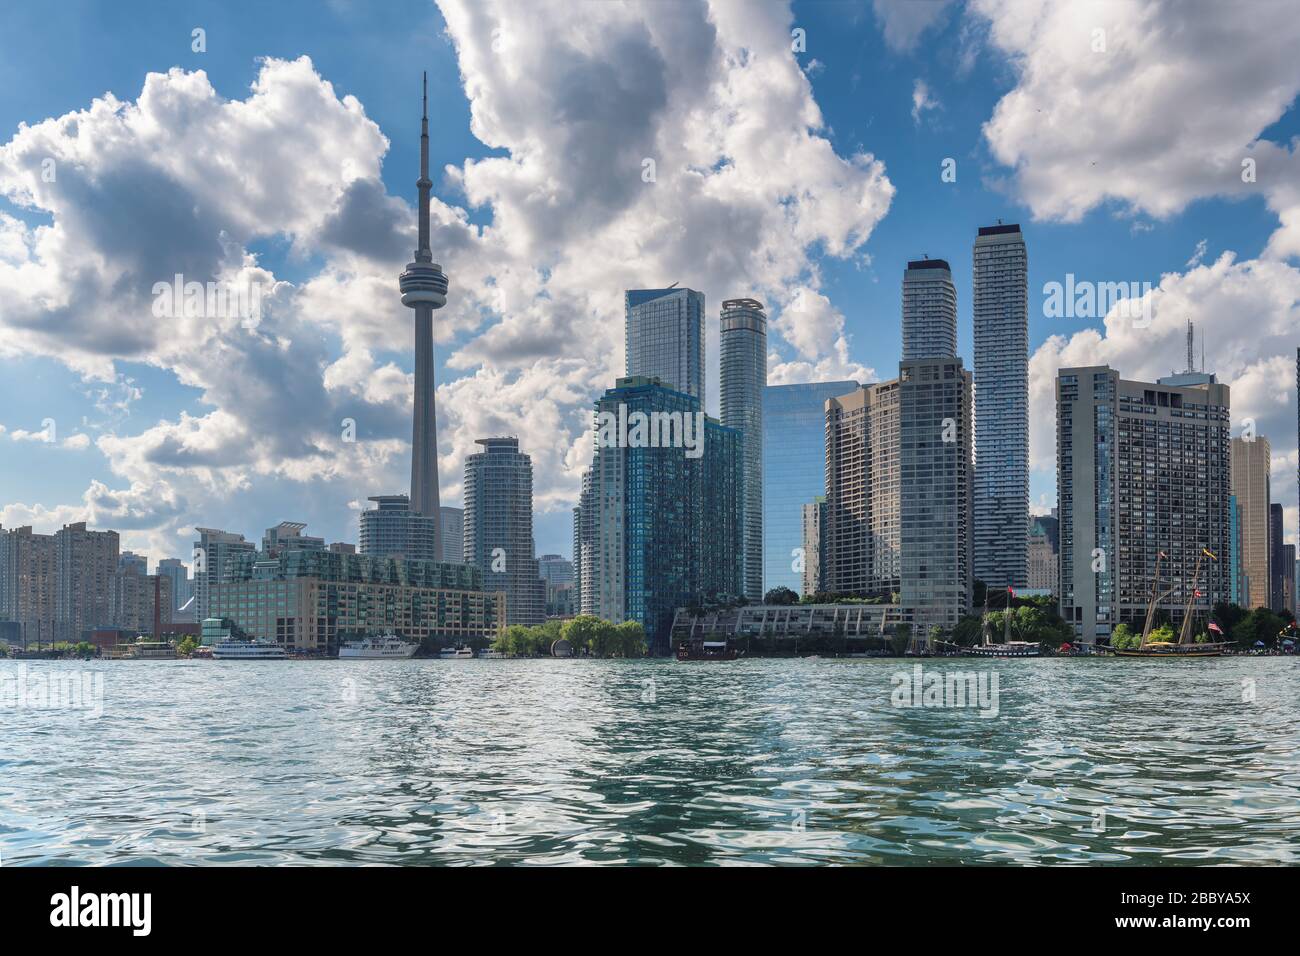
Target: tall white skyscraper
743,349
929,310
1001,307
664,337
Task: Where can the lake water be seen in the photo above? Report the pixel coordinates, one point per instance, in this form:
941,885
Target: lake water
651,762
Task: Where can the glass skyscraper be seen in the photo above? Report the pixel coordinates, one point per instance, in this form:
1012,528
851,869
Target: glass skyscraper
1001,308
657,529
663,337
722,519
743,349
794,471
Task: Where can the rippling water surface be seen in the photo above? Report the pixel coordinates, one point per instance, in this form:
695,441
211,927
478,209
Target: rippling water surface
655,762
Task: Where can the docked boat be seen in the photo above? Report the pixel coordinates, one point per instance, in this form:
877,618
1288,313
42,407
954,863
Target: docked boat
1168,649
1186,646
706,651
489,654
461,652
1007,647
383,647
257,650
152,651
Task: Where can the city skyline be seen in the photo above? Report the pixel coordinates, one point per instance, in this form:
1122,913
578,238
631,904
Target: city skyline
152,440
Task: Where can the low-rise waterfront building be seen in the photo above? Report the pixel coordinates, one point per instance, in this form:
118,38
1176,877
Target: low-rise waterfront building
309,600
853,621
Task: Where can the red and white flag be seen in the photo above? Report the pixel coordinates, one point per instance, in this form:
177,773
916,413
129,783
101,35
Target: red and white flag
1215,628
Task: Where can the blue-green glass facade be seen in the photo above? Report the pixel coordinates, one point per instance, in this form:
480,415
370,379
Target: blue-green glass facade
722,570
660,524
794,471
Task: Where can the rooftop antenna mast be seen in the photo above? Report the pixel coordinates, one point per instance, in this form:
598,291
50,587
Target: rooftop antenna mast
1191,351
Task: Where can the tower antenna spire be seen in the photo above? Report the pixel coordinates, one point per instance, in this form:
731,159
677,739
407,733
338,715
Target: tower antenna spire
424,288
422,253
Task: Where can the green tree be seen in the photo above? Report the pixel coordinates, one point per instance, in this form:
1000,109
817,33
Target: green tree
187,646
630,639
517,640
1261,624
780,595
1122,638
901,638
1228,616
1163,633
580,631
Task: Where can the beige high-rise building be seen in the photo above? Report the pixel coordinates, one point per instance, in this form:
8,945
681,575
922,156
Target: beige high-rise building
898,492
1044,570
1251,461
27,562
132,601
814,518
85,563
862,531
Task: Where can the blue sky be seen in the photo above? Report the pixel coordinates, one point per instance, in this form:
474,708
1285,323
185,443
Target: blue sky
1144,219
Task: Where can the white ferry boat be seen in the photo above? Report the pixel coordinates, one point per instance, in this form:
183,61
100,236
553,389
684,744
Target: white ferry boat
384,647
489,654
248,651
459,653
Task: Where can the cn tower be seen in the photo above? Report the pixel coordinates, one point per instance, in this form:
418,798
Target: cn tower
424,288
